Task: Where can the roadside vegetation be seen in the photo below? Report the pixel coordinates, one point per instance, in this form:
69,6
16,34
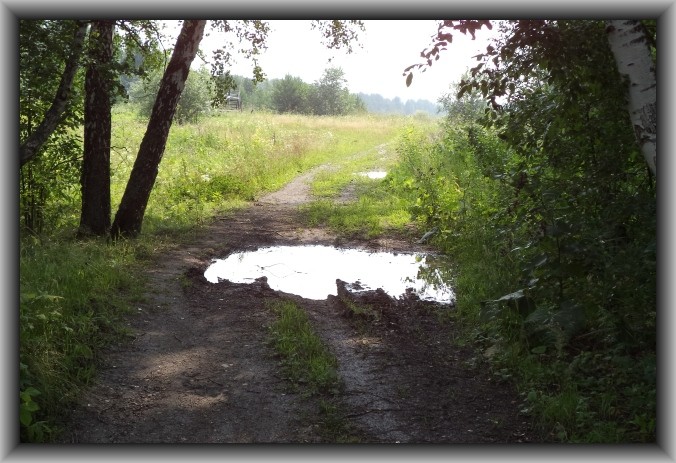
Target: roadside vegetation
548,211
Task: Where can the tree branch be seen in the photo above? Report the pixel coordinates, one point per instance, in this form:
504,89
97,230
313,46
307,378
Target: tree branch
30,148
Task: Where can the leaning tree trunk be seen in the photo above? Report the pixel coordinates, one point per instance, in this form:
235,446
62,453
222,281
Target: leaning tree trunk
629,45
129,217
95,180
31,147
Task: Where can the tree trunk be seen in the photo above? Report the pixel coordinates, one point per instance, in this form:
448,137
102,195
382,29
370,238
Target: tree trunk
629,45
95,180
129,217
34,142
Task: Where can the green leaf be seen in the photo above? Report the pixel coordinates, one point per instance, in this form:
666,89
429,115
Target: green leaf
539,350
83,351
30,392
25,416
30,406
539,261
512,296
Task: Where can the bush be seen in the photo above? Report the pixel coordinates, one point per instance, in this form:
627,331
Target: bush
555,260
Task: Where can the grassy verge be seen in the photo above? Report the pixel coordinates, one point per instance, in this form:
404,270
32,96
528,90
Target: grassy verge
73,296
584,375
310,366
595,387
372,207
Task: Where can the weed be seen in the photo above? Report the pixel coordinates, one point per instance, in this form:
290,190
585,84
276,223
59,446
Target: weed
334,428
361,311
566,316
72,299
305,359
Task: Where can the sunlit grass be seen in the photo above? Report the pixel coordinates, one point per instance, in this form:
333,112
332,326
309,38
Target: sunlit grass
351,204
231,158
311,367
73,296
305,358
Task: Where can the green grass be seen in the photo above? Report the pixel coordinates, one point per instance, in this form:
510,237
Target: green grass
373,207
229,159
73,296
305,359
311,368
593,388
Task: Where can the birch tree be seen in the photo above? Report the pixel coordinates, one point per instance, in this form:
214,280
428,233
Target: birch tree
95,179
129,217
629,44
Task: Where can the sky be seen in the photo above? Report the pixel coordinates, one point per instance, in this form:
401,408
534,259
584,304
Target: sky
387,48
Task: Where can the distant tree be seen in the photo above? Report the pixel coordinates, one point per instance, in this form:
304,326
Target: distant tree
376,103
466,108
331,93
289,95
354,104
196,99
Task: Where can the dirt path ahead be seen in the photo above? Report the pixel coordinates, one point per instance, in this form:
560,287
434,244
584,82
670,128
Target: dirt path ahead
200,371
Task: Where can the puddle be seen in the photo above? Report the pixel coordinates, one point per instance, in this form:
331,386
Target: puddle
311,271
376,174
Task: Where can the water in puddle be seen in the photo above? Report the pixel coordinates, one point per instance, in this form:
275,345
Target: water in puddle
311,271
375,175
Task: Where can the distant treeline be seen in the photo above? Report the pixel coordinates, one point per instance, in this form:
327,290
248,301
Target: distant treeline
376,103
291,94
327,96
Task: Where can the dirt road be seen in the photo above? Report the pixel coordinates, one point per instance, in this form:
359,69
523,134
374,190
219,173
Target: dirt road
199,369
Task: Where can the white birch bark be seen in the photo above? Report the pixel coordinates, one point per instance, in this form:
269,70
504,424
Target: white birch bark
629,46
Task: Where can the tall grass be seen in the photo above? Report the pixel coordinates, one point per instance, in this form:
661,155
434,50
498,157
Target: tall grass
231,158
73,296
373,206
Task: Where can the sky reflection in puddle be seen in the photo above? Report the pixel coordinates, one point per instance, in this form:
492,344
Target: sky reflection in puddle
375,175
311,271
